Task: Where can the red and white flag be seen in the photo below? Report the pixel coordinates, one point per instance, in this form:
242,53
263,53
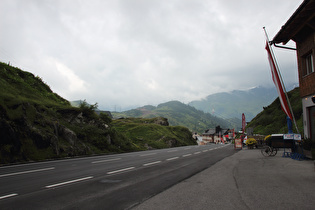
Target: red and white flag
277,81
243,123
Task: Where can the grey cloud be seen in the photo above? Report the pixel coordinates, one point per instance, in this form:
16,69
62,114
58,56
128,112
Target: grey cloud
138,52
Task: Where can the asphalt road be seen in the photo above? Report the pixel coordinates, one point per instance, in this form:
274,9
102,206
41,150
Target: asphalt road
103,182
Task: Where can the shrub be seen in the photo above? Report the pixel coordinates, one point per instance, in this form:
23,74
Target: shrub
251,142
88,110
106,119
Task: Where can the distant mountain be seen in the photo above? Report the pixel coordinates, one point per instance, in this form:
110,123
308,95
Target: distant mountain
273,120
232,104
178,113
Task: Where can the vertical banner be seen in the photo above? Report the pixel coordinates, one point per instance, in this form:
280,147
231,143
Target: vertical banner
277,81
243,123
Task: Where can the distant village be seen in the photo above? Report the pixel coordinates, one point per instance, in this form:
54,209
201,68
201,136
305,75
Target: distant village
215,135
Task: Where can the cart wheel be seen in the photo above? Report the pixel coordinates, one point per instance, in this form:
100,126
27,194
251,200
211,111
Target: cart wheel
273,151
266,151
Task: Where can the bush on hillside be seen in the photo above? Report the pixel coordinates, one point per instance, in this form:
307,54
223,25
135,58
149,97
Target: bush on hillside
88,110
106,119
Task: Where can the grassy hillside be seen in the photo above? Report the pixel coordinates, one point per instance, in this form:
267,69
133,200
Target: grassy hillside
273,120
178,114
37,124
153,133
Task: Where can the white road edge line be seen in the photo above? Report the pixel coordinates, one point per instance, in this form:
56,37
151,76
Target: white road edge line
107,160
26,172
68,182
197,153
186,155
175,150
120,170
148,154
8,196
173,158
156,162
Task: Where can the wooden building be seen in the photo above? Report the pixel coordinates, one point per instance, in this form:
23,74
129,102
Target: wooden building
301,29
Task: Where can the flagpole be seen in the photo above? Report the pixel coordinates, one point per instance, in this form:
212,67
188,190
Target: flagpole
282,84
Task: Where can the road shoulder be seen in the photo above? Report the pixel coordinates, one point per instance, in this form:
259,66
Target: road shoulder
245,180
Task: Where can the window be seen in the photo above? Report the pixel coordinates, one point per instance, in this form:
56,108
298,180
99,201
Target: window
309,67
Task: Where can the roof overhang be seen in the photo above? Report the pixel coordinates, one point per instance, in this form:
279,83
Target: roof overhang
300,24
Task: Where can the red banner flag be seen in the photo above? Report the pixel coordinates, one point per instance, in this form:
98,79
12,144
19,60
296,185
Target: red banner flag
243,123
278,83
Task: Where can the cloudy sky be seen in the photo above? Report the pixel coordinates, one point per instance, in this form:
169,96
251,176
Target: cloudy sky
123,53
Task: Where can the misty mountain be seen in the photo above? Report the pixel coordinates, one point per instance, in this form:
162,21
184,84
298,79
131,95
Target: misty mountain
232,104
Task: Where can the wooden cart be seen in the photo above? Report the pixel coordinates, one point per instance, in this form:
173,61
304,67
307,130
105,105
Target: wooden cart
277,141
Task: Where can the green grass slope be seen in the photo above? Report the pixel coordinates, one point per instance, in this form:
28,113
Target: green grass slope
153,133
273,120
37,124
178,114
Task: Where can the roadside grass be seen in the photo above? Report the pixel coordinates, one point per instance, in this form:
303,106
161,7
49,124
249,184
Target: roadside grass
145,133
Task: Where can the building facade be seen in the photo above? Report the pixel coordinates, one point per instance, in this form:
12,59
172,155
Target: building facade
301,29
217,135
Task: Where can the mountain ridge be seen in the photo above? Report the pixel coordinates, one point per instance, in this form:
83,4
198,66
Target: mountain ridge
177,114
234,103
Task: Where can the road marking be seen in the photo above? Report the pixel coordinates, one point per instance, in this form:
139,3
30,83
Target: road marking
173,158
175,150
106,160
69,182
205,150
120,170
156,162
197,153
26,172
186,155
8,196
148,154
187,148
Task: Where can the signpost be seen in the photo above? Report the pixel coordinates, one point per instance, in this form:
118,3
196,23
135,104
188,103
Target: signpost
292,136
238,144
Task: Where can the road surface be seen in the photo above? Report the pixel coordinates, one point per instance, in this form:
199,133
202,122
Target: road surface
118,181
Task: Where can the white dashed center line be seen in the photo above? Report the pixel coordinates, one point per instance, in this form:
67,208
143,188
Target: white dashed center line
186,155
156,162
8,196
173,158
120,170
69,182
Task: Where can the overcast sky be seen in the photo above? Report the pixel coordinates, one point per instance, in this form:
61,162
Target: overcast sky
122,53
